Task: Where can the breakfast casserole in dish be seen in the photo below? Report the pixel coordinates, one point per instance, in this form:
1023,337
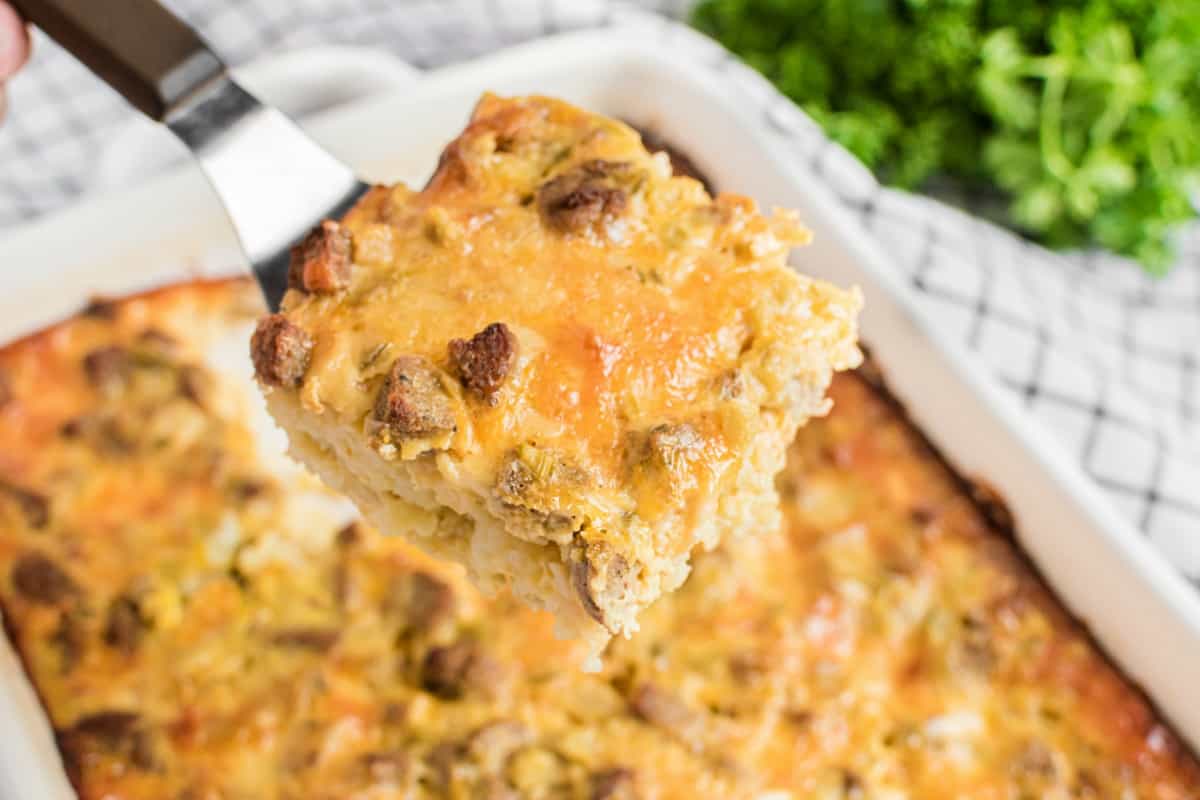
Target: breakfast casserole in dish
203,620
558,364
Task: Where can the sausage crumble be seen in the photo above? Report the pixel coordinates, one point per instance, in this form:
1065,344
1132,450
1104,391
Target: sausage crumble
281,351
485,360
581,197
413,403
321,262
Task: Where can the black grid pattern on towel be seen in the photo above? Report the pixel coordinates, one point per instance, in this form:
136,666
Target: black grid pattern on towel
1106,359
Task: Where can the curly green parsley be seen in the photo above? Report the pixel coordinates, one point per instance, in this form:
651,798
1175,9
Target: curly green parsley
1084,115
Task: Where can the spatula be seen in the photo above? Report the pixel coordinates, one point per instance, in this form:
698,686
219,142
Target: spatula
275,182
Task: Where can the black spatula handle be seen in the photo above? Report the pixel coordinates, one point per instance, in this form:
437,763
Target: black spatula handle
138,47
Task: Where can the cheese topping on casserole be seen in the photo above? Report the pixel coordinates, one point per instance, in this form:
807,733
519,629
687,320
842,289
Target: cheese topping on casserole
557,364
201,621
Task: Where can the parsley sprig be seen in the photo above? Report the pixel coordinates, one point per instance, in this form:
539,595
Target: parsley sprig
1084,115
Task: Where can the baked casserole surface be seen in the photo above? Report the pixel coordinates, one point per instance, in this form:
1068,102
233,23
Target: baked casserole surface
202,620
557,364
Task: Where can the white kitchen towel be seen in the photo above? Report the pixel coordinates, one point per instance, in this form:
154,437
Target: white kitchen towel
1107,359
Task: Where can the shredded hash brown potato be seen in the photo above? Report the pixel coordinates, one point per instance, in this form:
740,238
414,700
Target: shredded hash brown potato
557,364
202,620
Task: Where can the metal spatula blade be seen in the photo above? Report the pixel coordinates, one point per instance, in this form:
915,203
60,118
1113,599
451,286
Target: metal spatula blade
275,182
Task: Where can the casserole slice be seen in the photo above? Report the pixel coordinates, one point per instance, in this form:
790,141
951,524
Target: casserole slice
557,363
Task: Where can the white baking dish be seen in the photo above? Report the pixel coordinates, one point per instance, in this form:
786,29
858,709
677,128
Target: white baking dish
1138,607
